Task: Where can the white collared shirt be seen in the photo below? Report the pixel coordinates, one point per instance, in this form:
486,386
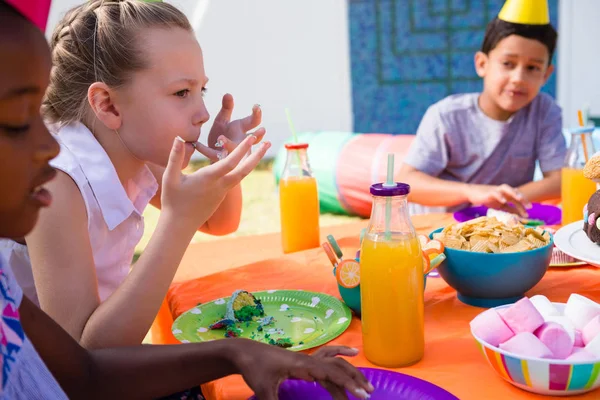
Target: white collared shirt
115,221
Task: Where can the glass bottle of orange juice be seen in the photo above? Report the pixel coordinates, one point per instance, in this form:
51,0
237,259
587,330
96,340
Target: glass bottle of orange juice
298,201
391,281
576,189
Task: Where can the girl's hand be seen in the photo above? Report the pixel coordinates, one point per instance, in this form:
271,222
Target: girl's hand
264,368
225,136
195,197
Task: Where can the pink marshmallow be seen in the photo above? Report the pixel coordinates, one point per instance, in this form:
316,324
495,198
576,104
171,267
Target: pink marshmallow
579,354
578,339
490,327
556,338
526,344
522,316
591,329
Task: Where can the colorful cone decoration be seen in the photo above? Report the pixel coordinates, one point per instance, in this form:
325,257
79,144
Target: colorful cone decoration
527,12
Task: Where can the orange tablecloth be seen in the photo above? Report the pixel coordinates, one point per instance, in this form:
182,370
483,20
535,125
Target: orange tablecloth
451,360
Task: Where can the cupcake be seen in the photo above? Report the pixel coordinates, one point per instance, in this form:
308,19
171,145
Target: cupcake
592,168
243,307
591,220
591,211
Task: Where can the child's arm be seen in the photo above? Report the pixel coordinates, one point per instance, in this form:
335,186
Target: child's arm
544,189
63,263
428,157
430,191
155,371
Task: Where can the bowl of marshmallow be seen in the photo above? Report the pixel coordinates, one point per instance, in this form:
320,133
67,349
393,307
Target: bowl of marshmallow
543,347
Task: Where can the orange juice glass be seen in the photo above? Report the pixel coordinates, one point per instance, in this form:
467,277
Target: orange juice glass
576,189
298,202
391,282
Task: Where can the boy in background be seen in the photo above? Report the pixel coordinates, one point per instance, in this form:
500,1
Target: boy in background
482,148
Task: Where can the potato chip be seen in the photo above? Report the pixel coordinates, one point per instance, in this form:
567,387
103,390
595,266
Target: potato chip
452,242
522,245
479,247
510,238
489,235
493,248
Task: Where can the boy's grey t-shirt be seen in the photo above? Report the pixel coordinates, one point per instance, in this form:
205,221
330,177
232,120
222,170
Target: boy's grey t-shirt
456,141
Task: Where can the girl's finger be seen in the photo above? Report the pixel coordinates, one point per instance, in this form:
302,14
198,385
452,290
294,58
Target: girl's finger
224,115
259,133
228,164
332,351
246,166
252,120
226,144
175,163
210,153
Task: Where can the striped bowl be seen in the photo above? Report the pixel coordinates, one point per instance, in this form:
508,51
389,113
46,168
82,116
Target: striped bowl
542,376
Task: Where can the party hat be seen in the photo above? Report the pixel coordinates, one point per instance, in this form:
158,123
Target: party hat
34,10
527,12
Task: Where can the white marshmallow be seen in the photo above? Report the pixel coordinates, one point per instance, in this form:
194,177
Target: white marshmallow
580,310
544,306
594,346
566,323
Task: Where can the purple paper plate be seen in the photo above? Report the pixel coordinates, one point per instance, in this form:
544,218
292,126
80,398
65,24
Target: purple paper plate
389,385
551,215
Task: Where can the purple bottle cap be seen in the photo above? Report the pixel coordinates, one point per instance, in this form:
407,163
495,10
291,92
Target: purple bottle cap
385,190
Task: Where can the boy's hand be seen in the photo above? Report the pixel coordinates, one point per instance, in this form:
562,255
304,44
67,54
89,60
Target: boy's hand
225,136
265,367
498,197
196,196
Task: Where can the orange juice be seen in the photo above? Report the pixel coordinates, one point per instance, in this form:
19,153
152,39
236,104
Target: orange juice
299,205
391,285
576,191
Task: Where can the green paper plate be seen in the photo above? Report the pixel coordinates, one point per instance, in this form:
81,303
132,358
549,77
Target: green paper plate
309,319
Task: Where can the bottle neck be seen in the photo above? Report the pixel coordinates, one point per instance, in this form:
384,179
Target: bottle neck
580,150
296,164
390,213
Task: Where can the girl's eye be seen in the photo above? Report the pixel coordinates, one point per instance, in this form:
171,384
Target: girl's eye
183,93
507,64
204,90
13,130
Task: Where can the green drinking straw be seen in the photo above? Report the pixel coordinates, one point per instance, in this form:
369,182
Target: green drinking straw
388,202
291,124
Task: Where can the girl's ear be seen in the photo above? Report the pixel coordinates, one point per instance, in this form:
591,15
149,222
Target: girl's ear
481,61
101,100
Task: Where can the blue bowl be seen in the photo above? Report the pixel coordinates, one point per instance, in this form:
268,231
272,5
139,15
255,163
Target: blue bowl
491,280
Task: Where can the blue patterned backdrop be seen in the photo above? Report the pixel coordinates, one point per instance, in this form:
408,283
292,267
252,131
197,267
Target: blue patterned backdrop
408,54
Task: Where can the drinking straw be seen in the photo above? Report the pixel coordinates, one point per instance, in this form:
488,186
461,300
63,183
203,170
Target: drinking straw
581,124
388,202
291,124
330,254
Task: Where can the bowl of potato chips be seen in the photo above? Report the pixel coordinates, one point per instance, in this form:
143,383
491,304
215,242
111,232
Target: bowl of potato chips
491,263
